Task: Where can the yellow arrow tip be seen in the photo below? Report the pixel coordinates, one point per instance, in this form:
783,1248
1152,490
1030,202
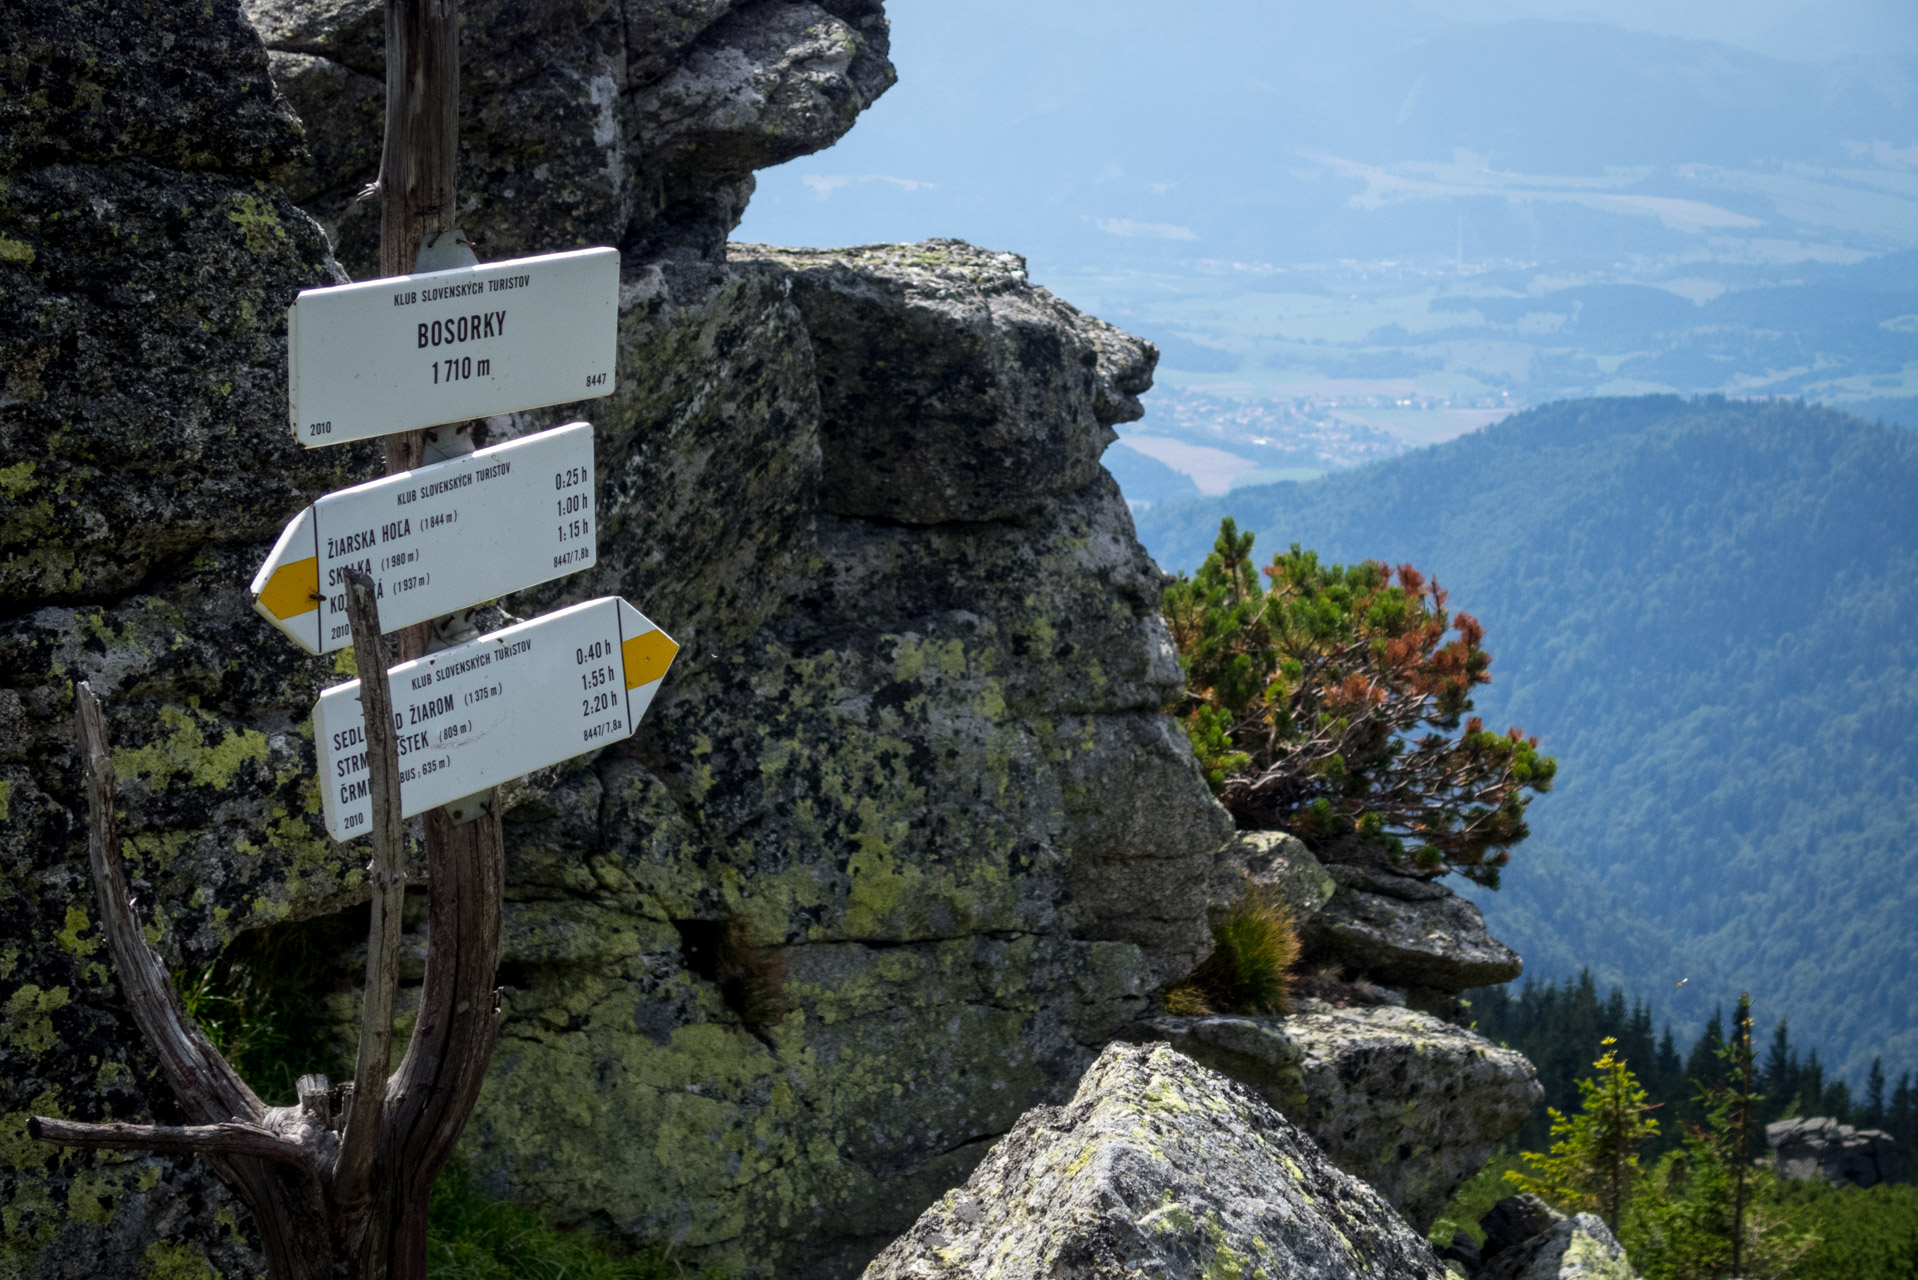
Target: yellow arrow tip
293,589
647,657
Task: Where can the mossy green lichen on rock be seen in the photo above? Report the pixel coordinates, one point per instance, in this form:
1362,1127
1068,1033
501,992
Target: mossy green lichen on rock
933,777
1159,1167
1411,1104
142,419
921,759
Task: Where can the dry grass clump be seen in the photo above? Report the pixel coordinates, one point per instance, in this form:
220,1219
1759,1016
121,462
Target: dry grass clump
1255,945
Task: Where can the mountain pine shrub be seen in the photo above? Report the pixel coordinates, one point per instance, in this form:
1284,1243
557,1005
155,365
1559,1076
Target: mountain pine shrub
1332,703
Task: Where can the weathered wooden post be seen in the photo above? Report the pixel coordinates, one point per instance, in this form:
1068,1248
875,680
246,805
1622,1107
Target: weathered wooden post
339,1183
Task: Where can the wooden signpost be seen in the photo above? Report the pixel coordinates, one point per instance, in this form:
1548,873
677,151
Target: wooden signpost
339,1182
436,539
486,711
382,356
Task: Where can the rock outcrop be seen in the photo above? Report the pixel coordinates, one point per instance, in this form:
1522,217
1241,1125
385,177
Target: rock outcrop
1820,1147
1401,1099
1525,1239
1158,1167
912,748
1276,864
629,122
1407,932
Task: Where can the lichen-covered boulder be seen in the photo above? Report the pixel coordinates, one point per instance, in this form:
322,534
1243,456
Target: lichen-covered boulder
1162,1168
1407,932
1411,1104
926,765
147,256
1581,1247
951,388
1279,865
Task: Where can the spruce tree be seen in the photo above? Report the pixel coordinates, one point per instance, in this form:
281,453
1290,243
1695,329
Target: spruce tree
1593,1162
1736,1101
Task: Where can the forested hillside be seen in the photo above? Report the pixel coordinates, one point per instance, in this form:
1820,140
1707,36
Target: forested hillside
1708,610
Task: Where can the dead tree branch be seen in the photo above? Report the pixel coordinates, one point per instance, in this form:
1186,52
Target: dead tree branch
194,1139
360,1143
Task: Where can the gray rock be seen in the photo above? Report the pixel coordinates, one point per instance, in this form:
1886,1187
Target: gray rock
146,261
927,761
951,388
630,122
1157,1167
1410,1104
1278,864
1820,1147
1406,932
79,84
1576,1248
1515,1220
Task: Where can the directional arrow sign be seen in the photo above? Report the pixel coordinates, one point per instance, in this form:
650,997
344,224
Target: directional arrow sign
444,346
484,712
437,538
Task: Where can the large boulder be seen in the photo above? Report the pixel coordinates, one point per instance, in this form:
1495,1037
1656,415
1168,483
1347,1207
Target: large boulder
951,389
919,764
1407,932
147,255
1158,1167
1526,1239
1278,865
1820,1147
1409,1103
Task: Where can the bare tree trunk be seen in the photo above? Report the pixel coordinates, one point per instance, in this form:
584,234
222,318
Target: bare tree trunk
418,182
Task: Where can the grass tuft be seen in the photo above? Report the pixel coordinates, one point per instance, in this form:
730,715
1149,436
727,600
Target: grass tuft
1255,946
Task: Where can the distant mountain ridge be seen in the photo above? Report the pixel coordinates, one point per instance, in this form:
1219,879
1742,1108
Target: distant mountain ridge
1706,610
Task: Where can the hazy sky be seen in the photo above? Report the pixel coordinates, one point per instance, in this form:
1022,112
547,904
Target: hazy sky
1804,30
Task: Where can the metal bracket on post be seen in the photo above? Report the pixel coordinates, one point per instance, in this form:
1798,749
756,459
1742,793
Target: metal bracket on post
468,808
446,251
446,441
454,628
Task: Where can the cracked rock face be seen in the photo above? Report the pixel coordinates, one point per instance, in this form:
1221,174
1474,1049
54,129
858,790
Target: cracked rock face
637,123
926,761
919,763
1407,932
950,388
1158,1167
1411,1104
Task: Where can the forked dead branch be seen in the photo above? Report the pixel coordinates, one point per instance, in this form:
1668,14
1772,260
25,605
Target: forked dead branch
337,1183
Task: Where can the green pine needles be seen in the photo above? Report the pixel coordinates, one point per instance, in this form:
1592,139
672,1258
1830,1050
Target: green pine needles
1707,1210
1593,1163
1332,703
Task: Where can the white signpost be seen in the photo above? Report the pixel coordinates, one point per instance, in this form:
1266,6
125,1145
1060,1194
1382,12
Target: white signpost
415,351
486,711
436,539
